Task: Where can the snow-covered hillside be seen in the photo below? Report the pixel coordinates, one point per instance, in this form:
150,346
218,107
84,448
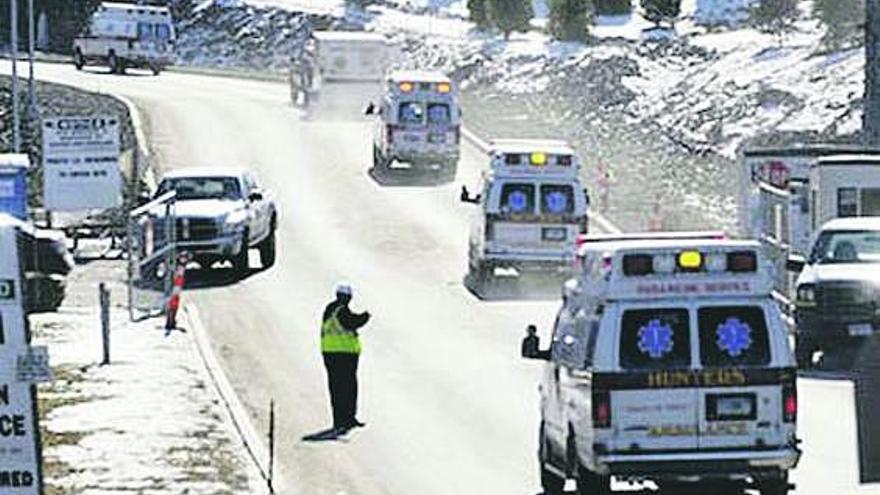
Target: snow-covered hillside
665,118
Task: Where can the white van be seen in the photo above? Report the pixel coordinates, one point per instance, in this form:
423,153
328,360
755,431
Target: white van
419,123
669,362
124,35
533,207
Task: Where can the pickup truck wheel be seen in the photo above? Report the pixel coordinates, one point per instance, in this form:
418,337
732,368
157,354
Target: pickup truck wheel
804,349
114,63
267,250
79,61
590,483
240,262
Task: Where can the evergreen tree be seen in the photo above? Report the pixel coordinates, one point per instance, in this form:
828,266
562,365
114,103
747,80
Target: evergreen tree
774,16
478,14
67,19
509,15
843,21
570,19
612,7
658,11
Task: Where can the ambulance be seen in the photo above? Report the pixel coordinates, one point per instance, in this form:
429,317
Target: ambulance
418,122
669,362
533,207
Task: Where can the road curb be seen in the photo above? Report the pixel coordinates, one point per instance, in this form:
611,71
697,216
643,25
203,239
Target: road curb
484,145
142,153
253,442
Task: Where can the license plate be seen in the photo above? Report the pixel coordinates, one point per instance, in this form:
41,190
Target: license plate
436,138
861,330
555,234
730,407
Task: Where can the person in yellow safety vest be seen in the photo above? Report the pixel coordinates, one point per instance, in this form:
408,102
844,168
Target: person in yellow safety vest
341,348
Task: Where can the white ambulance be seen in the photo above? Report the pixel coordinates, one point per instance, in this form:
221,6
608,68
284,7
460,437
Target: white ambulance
419,123
123,35
669,362
533,207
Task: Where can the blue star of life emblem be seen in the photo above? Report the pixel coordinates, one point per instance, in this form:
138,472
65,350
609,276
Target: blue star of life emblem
734,337
518,201
655,339
556,202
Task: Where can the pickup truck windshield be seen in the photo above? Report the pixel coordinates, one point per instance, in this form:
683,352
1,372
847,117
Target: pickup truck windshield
189,188
846,246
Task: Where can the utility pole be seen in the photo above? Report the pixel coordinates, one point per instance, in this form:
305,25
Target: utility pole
871,122
32,93
13,42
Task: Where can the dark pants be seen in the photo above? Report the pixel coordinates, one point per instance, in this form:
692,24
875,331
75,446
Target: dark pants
342,379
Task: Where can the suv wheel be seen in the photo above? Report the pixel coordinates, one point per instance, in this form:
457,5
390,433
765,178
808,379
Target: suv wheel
267,249
240,262
79,61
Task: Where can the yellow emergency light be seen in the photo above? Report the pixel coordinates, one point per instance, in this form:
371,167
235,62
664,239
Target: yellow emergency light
690,260
444,87
406,86
539,159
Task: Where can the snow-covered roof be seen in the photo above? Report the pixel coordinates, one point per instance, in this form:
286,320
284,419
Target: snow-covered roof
348,36
853,223
16,160
854,159
418,75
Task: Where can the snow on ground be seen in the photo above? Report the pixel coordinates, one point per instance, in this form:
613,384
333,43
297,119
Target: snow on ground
149,423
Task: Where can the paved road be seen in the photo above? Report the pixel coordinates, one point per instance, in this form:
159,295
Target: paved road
450,408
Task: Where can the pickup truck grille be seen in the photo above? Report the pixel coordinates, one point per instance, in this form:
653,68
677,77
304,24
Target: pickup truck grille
846,301
196,229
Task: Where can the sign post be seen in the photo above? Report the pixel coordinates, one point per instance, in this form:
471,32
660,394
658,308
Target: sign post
81,163
20,367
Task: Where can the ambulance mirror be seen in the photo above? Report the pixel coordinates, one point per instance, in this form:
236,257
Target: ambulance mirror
587,196
795,263
531,345
371,109
466,197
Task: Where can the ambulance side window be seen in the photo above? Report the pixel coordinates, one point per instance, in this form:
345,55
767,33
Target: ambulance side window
655,338
557,199
733,336
517,198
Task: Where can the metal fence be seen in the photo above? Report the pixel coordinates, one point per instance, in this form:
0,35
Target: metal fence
151,255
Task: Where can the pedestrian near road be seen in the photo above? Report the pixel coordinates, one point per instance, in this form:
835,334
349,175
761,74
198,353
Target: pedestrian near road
341,348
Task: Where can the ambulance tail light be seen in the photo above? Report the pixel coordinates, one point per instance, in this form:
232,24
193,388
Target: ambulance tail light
789,402
563,160
601,409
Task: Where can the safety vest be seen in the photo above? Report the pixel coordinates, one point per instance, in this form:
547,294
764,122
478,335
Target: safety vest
335,338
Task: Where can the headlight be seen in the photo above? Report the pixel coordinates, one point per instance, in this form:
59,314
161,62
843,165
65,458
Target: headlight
234,222
806,294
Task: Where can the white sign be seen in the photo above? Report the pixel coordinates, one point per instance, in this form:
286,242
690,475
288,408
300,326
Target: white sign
81,163
33,366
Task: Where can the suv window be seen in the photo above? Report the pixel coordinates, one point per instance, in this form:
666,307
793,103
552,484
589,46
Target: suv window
655,338
557,199
733,336
518,198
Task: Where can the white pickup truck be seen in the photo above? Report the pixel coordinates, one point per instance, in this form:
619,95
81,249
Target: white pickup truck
122,35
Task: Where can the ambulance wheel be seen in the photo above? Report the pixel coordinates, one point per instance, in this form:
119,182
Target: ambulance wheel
380,163
240,263
590,483
775,485
550,481
79,61
155,69
267,248
115,64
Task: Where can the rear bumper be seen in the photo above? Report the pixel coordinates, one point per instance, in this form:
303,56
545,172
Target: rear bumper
733,463
531,262
416,156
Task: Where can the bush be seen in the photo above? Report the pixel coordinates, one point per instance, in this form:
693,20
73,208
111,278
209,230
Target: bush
612,7
775,16
509,15
477,10
66,20
658,11
843,20
570,19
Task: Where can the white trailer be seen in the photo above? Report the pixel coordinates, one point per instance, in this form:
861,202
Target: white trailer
122,35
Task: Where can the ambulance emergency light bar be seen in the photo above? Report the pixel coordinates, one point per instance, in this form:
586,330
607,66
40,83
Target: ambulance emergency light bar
533,155
410,86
